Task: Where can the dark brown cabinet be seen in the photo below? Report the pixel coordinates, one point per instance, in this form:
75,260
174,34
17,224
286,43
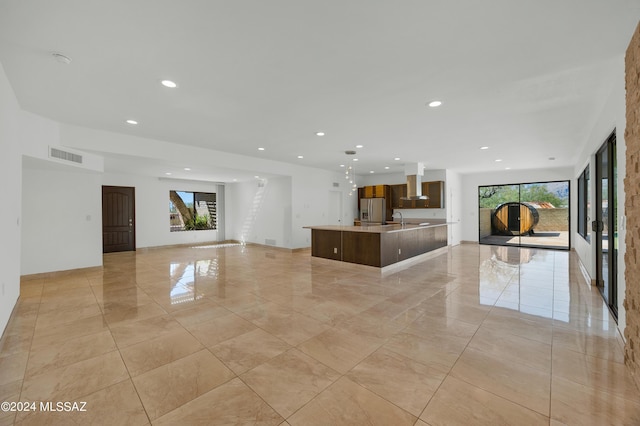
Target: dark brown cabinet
434,190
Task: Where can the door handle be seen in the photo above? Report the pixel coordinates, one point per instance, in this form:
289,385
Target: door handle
597,226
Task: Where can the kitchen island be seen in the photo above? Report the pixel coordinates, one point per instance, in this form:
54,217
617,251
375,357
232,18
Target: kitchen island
377,245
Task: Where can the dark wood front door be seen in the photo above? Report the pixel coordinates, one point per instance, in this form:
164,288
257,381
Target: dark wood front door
118,219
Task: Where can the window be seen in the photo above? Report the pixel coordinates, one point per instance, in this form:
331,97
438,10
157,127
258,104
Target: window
527,214
192,211
584,204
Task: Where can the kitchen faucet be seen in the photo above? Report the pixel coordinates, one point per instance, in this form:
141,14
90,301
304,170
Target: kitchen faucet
401,218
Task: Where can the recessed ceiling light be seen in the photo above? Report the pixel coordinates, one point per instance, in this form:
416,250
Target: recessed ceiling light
371,171
498,160
397,158
434,104
359,146
170,84
187,169
341,165
355,159
132,122
168,174
507,168
260,149
300,156
257,177
319,133
386,167
484,147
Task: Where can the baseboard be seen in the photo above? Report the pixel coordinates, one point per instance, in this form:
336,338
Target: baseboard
57,274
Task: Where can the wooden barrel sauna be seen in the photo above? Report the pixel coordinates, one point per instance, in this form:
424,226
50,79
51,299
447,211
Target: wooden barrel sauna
514,219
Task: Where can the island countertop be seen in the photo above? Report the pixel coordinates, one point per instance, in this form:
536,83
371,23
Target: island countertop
380,229
377,245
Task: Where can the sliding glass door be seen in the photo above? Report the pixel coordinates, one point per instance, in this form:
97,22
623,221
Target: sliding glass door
605,226
525,214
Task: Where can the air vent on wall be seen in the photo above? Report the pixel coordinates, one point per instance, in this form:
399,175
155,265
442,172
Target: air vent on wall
64,155
336,185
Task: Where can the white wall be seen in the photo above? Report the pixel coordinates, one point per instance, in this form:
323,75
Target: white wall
61,217
471,182
611,117
453,204
310,196
259,211
309,186
11,177
152,209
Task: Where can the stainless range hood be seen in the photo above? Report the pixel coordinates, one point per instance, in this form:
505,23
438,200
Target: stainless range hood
414,174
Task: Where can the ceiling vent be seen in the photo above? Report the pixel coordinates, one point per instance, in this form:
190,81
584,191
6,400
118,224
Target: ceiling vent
64,155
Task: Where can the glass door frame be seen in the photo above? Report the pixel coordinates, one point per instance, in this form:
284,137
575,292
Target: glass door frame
607,278
520,244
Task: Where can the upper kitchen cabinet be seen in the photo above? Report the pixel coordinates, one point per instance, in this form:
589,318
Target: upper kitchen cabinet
434,190
377,191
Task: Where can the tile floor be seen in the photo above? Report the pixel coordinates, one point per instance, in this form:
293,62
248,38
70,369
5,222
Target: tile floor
249,335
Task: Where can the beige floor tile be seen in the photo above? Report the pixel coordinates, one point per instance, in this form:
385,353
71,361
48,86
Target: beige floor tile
289,381
59,354
215,331
523,385
156,352
428,326
340,349
291,327
609,376
115,405
206,311
576,404
232,403
435,352
66,315
172,385
518,324
398,379
10,390
12,367
72,381
11,344
249,350
460,403
511,348
434,320
130,333
123,314
73,329
589,344
344,403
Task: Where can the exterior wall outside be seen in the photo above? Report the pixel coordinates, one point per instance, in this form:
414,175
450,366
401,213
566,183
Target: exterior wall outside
632,207
552,220
485,222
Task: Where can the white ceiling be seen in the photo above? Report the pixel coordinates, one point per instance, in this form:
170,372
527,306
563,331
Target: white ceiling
525,78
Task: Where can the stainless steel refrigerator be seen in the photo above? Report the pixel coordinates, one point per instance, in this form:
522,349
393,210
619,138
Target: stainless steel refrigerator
373,211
